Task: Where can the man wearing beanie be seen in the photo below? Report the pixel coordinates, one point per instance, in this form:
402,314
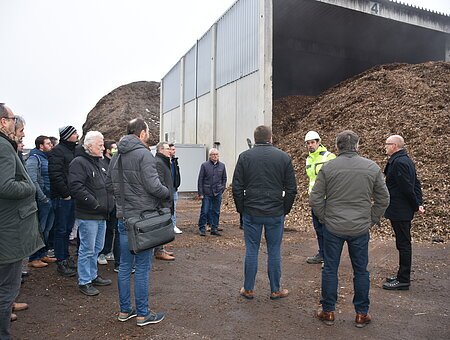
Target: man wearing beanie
58,169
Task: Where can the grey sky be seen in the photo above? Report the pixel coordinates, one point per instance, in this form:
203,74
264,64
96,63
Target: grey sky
60,57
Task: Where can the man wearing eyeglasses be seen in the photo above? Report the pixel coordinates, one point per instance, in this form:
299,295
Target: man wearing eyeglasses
19,233
406,198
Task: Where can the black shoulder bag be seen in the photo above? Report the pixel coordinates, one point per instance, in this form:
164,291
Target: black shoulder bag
151,229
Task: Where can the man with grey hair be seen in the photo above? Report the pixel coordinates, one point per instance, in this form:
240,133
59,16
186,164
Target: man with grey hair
349,196
93,203
406,198
212,180
19,233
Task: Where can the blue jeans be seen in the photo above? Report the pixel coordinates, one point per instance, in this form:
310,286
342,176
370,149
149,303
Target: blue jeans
143,263
46,218
273,233
358,249
64,220
174,216
211,207
318,227
92,238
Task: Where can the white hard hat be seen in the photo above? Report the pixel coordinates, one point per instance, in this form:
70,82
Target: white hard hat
311,135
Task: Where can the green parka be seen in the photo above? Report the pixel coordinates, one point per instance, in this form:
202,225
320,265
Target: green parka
19,231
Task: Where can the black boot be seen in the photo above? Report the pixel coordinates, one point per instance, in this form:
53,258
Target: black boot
64,269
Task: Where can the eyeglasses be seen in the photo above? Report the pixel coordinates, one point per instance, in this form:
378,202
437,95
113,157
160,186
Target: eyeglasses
14,118
389,144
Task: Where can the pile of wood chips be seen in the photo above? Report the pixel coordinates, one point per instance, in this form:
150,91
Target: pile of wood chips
409,100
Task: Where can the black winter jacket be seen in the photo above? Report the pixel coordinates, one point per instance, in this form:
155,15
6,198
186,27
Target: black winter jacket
143,189
264,182
58,168
175,169
404,187
87,178
165,176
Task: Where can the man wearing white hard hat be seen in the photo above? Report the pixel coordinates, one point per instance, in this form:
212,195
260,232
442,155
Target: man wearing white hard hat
318,155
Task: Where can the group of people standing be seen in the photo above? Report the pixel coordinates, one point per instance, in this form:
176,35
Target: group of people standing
99,184
348,195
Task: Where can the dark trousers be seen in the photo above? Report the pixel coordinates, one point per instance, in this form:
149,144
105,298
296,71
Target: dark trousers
318,227
402,230
10,275
64,221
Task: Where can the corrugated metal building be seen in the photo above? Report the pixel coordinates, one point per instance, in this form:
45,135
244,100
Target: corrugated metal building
260,50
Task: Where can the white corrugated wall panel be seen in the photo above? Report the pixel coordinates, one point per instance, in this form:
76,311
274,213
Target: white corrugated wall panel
204,64
204,120
171,89
237,42
190,65
190,123
171,126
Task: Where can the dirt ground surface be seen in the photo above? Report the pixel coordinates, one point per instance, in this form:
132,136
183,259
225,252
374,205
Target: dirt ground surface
199,291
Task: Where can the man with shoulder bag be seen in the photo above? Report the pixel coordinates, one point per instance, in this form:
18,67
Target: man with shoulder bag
137,189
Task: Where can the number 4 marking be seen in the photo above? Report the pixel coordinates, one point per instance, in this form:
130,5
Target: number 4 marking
375,8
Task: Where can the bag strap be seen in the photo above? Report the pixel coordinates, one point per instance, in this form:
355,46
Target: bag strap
121,183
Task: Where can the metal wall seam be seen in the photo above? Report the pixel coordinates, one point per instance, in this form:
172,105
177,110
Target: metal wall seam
190,70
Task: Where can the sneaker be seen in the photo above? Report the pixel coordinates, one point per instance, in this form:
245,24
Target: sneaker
396,285
177,230
127,316
215,233
391,279
109,257
279,295
102,259
64,269
51,253
100,281
316,259
202,233
88,289
151,318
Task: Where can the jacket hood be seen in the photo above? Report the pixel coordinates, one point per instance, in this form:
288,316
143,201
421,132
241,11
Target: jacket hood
399,153
81,152
38,153
129,143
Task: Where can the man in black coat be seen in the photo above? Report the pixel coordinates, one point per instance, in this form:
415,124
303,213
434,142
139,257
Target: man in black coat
58,169
406,198
162,158
264,189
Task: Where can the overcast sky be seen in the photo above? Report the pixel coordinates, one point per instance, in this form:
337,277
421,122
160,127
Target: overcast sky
58,58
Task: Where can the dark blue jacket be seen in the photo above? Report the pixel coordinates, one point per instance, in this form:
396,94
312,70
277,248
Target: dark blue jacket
212,179
404,187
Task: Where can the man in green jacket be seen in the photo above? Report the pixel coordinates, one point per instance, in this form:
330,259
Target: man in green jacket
19,234
318,156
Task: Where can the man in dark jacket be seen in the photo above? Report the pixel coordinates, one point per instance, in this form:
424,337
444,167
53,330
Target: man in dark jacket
162,158
406,198
176,176
58,169
212,180
348,197
87,183
19,233
142,191
37,167
264,189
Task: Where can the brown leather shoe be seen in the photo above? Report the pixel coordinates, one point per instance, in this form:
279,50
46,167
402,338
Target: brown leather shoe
326,317
279,295
18,306
13,317
168,252
37,264
47,259
248,294
161,255
361,320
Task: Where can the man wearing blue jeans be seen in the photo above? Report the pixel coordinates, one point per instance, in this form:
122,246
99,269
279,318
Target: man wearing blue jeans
348,197
264,189
63,204
134,157
93,203
212,180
